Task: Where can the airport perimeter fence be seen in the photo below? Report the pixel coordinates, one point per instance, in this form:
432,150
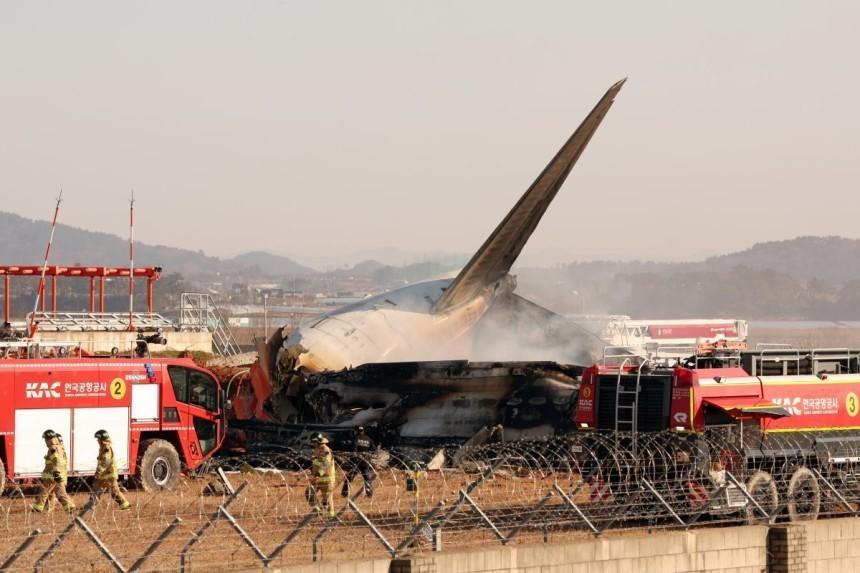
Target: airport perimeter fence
253,511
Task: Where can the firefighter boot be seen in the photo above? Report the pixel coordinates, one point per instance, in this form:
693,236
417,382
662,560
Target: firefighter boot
125,505
38,507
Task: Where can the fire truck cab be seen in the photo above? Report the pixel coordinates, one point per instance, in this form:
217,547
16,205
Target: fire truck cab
163,414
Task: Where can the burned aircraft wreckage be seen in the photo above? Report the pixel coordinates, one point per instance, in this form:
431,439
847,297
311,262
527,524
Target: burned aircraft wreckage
394,361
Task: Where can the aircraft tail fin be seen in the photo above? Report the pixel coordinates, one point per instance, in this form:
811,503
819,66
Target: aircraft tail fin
498,253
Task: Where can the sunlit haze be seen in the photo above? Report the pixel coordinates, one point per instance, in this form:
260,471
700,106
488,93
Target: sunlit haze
327,130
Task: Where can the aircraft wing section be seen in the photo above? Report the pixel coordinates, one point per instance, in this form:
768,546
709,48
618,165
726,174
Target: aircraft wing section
495,257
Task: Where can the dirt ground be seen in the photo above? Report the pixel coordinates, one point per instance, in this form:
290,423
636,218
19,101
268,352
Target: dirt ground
269,510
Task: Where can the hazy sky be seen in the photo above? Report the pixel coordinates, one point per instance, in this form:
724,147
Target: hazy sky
316,128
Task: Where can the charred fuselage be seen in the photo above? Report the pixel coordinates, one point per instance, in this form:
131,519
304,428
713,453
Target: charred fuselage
445,400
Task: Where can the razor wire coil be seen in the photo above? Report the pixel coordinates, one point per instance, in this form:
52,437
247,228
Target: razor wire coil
253,510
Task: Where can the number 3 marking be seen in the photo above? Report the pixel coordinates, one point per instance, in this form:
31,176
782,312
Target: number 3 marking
851,404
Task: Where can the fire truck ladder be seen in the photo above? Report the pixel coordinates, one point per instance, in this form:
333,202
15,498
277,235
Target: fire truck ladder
197,311
627,406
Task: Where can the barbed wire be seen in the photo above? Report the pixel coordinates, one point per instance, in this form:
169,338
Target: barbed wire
256,509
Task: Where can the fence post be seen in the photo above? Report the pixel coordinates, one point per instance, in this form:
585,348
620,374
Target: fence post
707,505
633,499
373,528
102,547
575,507
292,535
528,518
483,515
156,544
195,537
660,498
416,529
20,550
838,495
59,539
749,497
243,534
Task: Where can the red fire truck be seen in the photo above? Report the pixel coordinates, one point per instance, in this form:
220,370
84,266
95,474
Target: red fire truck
788,412
163,415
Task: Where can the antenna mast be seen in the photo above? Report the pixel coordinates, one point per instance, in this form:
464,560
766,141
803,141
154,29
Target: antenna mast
31,328
131,263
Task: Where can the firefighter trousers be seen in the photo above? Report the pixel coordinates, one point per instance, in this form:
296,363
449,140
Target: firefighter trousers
112,487
49,489
366,470
323,494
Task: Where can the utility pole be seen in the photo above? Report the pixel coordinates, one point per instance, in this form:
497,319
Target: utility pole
31,328
266,316
131,263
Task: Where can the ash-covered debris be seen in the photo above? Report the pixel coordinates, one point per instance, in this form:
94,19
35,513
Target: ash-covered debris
439,401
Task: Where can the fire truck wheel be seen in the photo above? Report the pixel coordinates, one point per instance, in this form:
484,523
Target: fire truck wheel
762,489
804,495
159,466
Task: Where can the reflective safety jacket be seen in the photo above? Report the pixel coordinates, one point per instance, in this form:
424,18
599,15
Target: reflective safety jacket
106,465
56,467
323,466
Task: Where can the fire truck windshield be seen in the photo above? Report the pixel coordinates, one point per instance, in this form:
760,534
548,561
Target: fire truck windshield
194,387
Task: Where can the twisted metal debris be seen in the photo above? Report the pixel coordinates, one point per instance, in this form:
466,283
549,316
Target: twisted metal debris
253,510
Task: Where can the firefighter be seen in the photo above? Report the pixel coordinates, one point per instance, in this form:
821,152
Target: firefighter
323,476
359,462
55,475
61,448
107,476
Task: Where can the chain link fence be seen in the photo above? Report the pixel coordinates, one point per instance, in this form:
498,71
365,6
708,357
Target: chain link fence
256,510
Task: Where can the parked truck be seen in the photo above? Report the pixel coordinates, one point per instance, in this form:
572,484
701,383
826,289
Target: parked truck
165,415
780,421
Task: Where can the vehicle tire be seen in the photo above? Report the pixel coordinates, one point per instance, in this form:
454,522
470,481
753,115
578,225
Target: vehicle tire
804,496
159,466
762,489
2,477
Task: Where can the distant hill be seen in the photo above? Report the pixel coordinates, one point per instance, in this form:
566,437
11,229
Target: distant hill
365,269
269,264
22,241
830,259
808,278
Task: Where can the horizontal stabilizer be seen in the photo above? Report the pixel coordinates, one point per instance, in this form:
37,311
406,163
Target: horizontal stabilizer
496,256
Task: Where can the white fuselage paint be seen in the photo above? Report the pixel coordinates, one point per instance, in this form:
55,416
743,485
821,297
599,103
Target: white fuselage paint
396,326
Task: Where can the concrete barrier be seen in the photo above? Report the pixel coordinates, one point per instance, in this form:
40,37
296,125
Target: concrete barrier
727,550
833,545
825,546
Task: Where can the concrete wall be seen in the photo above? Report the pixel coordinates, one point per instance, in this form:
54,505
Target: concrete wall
95,341
725,550
833,545
366,566
824,546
